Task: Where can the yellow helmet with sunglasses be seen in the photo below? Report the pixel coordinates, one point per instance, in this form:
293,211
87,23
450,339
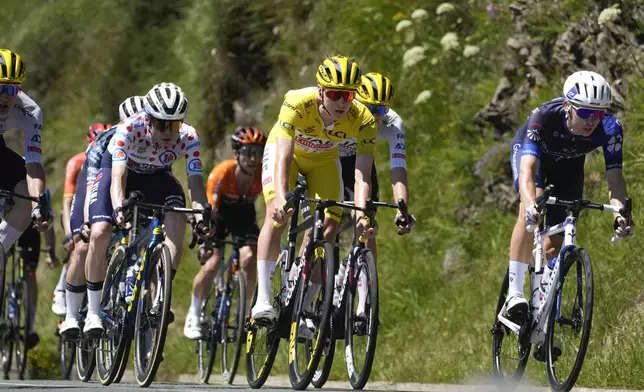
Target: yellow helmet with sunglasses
375,90
12,69
339,73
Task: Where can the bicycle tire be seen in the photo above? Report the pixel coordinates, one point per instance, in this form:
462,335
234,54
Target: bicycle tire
6,338
358,379
124,362
85,359
321,376
67,356
523,347
206,347
577,258
21,328
110,354
145,368
257,373
301,378
229,363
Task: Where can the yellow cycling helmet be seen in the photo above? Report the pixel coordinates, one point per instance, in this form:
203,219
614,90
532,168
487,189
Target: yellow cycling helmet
339,73
12,69
375,90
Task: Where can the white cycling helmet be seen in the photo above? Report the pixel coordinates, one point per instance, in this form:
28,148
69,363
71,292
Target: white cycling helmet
588,89
166,101
130,106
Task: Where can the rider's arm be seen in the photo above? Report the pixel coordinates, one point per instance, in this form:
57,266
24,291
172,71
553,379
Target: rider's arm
197,194
527,174
50,240
616,188
399,184
283,162
365,149
395,135
33,153
117,188
194,170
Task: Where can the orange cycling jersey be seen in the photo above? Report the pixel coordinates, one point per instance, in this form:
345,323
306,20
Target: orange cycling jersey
222,185
72,169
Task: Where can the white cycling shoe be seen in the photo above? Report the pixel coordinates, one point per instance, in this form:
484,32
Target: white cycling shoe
192,328
263,311
516,309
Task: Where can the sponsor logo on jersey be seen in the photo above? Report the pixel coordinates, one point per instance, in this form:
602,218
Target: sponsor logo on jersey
397,155
308,104
308,130
193,145
36,138
533,134
288,126
332,134
119,155
293,108
34,149
168,157
313,143
195,164
400,146
614,144
267,180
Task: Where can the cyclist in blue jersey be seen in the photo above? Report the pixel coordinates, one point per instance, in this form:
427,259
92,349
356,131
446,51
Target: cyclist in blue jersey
550,148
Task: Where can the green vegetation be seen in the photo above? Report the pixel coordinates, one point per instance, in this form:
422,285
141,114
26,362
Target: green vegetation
84,57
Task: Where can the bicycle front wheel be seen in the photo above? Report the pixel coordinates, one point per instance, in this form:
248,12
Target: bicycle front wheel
262,341
151,323
361,320
510,352
569,322
232,326
206,346
86,359
67,356
310,321
113,347
22,320
6,337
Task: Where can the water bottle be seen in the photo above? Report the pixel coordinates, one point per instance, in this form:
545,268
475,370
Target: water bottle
130,281
547,275
339,280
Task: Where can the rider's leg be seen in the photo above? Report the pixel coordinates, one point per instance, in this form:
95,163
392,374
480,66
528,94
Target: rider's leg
202,285
248,261
96,265
75,282
175,228
16,221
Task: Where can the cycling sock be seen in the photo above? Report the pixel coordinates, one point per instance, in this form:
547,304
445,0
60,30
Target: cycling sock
313,290
265,270
94,291
195,306
61,281
8,235
362,291
516,271
74,298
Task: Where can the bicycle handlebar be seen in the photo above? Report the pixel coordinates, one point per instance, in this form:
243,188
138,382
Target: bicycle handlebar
42,201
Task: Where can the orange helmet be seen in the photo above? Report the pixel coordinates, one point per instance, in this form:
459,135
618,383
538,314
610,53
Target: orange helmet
247,135
96,129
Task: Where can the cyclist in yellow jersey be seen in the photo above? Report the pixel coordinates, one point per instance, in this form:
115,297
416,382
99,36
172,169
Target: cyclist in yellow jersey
311,123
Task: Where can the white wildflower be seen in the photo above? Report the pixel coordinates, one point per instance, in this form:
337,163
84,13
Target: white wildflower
422,97
449,41
609,15
444,8
413,56
419,14
471,50
403,24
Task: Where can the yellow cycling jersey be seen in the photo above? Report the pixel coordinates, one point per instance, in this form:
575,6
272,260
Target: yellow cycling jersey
300,120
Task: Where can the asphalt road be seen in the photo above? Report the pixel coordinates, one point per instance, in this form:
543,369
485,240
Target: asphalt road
274,384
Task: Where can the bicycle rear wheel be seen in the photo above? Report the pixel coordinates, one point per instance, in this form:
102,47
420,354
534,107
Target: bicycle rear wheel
151,324
361,325
262,341
113,347
22,320
232,326
569,322
321,376
306,347
66,354
206,346
510,352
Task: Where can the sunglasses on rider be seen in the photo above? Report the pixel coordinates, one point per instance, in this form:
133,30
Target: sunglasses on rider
335,95
166,125
586,113
9,90
378,110
252,151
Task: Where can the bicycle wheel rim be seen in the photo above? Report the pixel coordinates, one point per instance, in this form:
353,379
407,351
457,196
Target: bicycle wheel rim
206,350
321,375
67,356
232,327
111,347
361,332
304,353
569,326
262,342
6,338
151,328
86,359
21,329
